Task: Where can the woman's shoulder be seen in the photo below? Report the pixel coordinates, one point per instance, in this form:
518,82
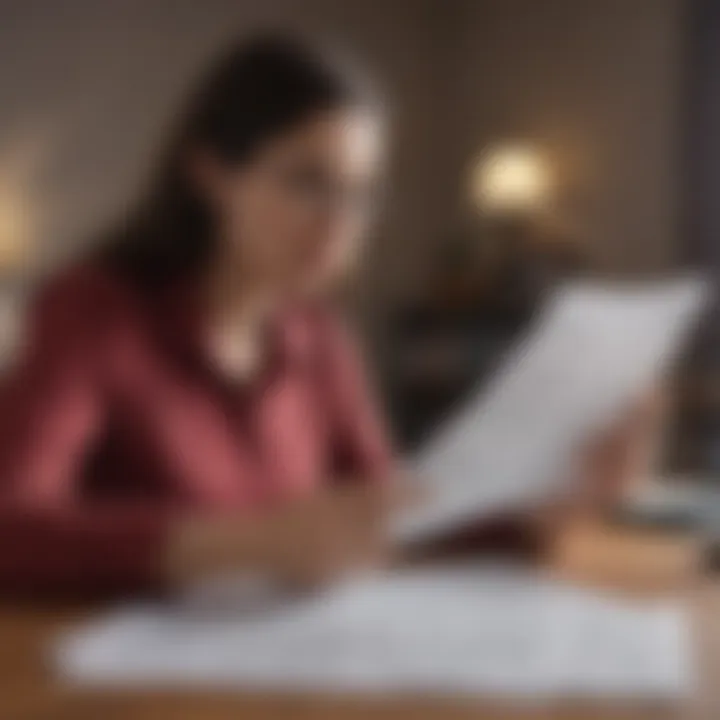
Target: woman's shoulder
84,296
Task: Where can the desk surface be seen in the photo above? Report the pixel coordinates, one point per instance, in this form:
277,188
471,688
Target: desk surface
28,692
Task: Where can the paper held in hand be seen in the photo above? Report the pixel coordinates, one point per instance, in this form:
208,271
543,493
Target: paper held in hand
592,350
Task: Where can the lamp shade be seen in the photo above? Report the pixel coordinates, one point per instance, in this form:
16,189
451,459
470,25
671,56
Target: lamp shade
16,228
510,179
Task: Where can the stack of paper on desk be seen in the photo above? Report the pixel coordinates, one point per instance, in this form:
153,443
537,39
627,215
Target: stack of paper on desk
466,629
593,349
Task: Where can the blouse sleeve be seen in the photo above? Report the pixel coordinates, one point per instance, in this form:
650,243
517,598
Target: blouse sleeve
52,411
362,445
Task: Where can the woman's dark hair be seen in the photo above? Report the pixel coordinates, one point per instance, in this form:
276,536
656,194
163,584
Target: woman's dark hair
260,89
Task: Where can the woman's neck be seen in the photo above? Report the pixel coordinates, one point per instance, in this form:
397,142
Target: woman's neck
234,297
237,312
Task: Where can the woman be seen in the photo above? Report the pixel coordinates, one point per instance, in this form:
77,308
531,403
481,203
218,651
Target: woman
185,406
186,376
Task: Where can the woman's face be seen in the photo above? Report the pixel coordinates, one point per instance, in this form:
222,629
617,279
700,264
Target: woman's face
292,220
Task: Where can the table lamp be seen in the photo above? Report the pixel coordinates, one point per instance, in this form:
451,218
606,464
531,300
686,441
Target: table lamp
16,235
511,189
15,231
511,180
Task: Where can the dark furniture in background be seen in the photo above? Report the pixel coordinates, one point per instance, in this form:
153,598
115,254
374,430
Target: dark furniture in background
451,338
439,355
698,396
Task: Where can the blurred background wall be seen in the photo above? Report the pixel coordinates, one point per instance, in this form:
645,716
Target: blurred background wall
602,89
597,83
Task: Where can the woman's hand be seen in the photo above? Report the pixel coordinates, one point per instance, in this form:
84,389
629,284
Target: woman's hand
326,536
623,456
610,464
606,468
305,543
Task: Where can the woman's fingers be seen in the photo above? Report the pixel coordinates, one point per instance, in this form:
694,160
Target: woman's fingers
313,541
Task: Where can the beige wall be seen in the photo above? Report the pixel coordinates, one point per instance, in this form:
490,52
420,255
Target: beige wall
596,83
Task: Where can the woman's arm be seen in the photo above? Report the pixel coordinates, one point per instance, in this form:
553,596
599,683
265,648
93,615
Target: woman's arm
51,413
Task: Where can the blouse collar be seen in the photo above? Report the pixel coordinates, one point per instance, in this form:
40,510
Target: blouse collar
183,320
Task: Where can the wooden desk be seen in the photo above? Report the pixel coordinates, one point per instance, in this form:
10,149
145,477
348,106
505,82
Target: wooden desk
27,691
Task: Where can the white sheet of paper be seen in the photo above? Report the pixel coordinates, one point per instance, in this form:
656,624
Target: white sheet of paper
593,349
465,629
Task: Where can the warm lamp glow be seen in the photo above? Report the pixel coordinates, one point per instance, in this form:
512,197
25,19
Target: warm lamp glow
510,179
15,229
